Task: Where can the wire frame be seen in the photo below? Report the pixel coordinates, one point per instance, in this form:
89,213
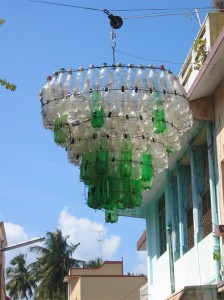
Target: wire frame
119,125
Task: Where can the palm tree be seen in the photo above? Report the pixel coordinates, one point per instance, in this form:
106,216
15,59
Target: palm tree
20,280
94,263
52,265
218,4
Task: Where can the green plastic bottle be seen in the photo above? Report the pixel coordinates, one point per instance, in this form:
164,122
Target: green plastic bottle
97,111
159,116
84,166
90,172
126,157
138,187
61,130
102,156
138,201
92,201
106,201
169,150
147,185
111,216
147,169
113,170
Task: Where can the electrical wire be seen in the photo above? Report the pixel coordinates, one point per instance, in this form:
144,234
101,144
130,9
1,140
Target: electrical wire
139,286
68,5
149,59
202,9
162,9
163,15
159,60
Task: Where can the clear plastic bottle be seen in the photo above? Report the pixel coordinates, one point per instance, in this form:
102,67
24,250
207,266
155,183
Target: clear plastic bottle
69,84
54,82
46,95
155,87
131,81
92,78
96,98
133,99
80,81
174,99
53,103
159,116
71,109
164,86
59,85
119,85
82,94
142,76
105,78
180,95
119,77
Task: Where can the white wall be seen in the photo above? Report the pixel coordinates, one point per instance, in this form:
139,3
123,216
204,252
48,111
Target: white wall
160,288
197,266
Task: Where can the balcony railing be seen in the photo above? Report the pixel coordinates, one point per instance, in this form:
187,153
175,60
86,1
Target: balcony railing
209,31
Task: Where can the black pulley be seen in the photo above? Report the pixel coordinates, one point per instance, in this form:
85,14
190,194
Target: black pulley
115,21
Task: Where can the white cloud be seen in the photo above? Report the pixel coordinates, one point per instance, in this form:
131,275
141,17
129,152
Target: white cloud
86,233
141,263
15,233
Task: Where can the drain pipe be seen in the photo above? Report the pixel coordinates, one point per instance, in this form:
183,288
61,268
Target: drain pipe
169,231
171,260
214,205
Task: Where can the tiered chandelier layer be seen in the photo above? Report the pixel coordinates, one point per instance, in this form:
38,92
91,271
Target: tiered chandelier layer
119,124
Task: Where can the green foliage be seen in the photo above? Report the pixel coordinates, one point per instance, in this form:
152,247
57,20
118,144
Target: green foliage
52,265
217,255
8,85
136,274
188,15
218,4
3,82
94,263
200,48
20,279
2,21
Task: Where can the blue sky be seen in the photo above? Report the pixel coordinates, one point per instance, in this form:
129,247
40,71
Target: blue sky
40,190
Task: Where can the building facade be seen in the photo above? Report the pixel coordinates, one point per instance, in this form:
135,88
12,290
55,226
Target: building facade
106,282
184,211
3,244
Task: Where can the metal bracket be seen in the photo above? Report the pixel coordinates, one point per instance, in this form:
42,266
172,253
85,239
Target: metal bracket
115,21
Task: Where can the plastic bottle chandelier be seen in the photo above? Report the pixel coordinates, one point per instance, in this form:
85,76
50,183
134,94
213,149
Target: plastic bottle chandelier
118,124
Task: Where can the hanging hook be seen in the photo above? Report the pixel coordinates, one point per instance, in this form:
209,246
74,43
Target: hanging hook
113,43
115,21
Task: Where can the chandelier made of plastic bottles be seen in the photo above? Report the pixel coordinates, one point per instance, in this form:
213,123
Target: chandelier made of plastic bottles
118,124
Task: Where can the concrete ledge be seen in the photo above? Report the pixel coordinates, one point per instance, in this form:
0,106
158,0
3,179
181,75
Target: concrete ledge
203,292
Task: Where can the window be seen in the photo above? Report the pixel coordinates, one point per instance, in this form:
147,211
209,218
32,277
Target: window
190,218
162,225
207,216
206,202
190,228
